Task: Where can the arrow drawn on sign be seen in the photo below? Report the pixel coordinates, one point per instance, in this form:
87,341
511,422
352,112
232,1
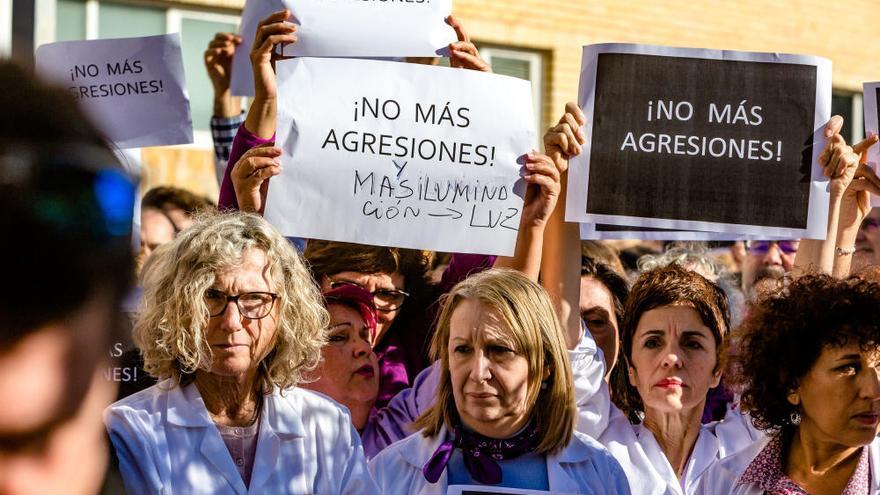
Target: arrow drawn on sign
455,214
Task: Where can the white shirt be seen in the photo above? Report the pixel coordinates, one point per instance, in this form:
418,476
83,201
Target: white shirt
167,443
582,467
721,478
635,447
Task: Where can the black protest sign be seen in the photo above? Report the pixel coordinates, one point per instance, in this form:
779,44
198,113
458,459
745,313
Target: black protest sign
702,140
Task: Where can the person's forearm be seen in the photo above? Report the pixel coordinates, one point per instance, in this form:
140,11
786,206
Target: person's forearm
816,255
527,257
226,105
826,256
560,268
261,117
846,239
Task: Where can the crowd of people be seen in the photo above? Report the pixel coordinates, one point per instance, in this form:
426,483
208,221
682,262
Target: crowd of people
278,365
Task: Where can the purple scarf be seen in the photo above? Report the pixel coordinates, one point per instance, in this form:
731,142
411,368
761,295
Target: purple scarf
480,453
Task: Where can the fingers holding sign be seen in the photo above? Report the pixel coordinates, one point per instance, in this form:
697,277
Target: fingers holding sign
463,53
250,176
865,179
837,159
272,31
218,59
564,140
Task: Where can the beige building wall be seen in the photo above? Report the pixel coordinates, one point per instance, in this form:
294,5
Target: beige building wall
846,32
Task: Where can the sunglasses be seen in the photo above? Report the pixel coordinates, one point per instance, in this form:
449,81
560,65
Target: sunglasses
761,247
870,222
85,195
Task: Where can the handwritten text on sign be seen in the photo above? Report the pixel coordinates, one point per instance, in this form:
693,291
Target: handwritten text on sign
133,88
404,158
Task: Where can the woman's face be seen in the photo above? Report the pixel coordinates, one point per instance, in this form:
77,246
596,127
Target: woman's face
349,371
673,359
385,287
238,343
597,311
839,397
489,376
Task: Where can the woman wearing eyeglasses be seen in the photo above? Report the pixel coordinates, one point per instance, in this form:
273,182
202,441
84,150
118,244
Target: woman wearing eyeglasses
231,322
396,277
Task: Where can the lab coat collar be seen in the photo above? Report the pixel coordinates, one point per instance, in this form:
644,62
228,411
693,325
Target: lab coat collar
417,454
875,464
187,408
280,420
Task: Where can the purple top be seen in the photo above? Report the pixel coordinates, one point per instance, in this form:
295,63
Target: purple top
402,352
766,472
244,140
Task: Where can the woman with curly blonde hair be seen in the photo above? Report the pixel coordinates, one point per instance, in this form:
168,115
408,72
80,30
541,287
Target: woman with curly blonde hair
231,321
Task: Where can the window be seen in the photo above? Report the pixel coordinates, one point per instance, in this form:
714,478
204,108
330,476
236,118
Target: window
196,30
523,64
73,26
5,28
849,106
94,19
128,21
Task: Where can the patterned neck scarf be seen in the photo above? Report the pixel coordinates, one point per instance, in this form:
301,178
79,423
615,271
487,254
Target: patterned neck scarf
765,472
481,453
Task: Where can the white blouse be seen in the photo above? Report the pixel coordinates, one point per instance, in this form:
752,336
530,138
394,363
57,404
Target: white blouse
635,447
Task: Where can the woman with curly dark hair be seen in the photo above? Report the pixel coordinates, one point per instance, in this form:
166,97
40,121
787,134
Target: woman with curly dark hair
810,372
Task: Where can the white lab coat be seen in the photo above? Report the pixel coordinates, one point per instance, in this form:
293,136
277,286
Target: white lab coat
721,478
583,466
635,447
167,443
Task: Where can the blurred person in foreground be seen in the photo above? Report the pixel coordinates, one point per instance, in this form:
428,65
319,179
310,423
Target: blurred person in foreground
67,207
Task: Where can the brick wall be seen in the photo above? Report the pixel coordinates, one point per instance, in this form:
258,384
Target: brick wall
845,32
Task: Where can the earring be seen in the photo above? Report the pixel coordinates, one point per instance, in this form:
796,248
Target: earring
795,418
544,385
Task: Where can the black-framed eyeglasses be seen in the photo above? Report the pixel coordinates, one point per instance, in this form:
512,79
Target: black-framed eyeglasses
385,299
251,305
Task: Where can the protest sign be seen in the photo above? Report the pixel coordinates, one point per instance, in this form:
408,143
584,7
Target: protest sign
494,490
358,28
410,155
590,231
347,28
872,125
241,82
133,88
703,140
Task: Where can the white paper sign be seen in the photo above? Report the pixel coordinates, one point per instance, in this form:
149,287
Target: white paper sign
494,490
403,155
133,88
871,94
372,28
242,79
702,140
592,232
